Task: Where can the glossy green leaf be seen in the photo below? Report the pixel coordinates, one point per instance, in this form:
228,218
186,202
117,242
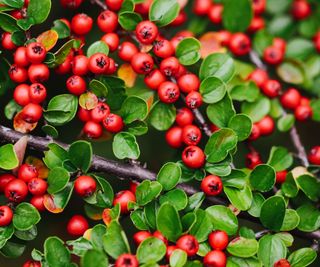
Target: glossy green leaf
212,90
80,246
243,247
257,202
178,258
162,12
129,20
61,28
25,216
137,128
98,88
162,116
271,249
56,203
239,262
50,131
39,10
98,47
310,186
94,258
134,108
302,257
147,191
299,48
188,51
150,250
169,175
176,197
291,72
80,154
272,212
58,179
246,91
285,123
256,110
138,219
125,146
56,254
240,198
291,220
12,250
8,23
55,156
5,234
8,157
309,218
202,226
263,178
241,124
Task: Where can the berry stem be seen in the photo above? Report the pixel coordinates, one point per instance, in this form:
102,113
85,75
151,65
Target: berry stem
98,3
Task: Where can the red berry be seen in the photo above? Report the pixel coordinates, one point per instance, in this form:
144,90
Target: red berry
240,44
20,57
281,176
113,123
5,179
146,32
100,112
18,74
280,44
133,186
38,73
112,67
258,6
189,244
36,53
300,9
211,185
181,71
191,135
143,8
65,67
160,236
303,113
314,155
193,100
257,23
6,41
255,132
37,202
169,66
168,92
304,101
202,7
17,14
107,21
291,99
84,114
140,236
71,4
80,65
218,240
98,63
92,129
215,258
16,190
163,48
32,264
188,83
260,77
273,55
114,4
32,113
81,24
76,85
123,198
316,41
127,50
27,172
174,137
266,125
184,117
215,13
85,186
142,63
282,263
253,159
193,157
271,88
112,40
37,93
21,94
180,19
77,225
154,78
127,260
37,186
6,215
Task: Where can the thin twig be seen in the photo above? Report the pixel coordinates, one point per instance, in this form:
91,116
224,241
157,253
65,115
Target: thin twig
98,3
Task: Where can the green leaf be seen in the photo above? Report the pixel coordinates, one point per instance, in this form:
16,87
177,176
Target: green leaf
223,218
125,146
27,235
309,185
176,197
219,145
98,47
134,108
289,188
291,72
137,128
240,198
55,156
138,219
237,15
243,247
271,249
286,122
56,203
12,250
256,205
162,12
13,3
308,27
241,124
61,28
19,38
315,105
80,154
291,220
8,23
256,110
151,250
245,92
261,41
272,212
281,25
94,258
221,168
239,262
276,7
218,65
58,179
115,242
25,216
50,130
309,218
188,51
212,90
79,246
61,109
147,191
162,116
63,52
96,233
39,11
276,109
202,227
129,20
286,238
5,234
178,258
25,24
150,210
127,5
8,157
236,179
302,257
263,178
11,108
56,254
104,195
168,222
98,88
195,201
169,175
299,48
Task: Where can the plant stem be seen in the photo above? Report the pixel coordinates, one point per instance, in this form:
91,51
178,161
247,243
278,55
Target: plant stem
98,3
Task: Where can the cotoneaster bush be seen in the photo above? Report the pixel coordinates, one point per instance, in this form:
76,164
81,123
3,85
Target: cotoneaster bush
210,77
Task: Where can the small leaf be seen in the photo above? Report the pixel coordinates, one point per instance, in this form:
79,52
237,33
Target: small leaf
98,88
256,110
129,20
125,146
188,51
169,175
291,220
134,108
240,198
309,218
25,216
39,11
56,254
48,39
302,257
263,178
61,28
286,122
94,258
162,116
256,205
56,203
309,185
178,258
243,247
299,48
212,90
162,12
176,197
291,72
151,249
241,124
80,154
272,212
202,226
8,157
271,249
248,92
147,191
8,23
98,47
57,180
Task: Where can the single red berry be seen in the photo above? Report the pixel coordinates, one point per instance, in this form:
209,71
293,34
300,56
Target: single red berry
18,13
143,8
6,41
76,85
188,83
163,48
113,123
18,74
71,4
303,113
85,186
160,236
32,113
77,225
127,260
260,77
169,66
154,78
193,100
301,9
211,185
215,258
114,5
84,114
174,137
168,92
92,129
181,71
5,179
81,24
184,117
258,6
21,94
26,172
123,198
169,251
112,68
253,159
266,125
142,63
32,263
100,112
80,65
255,132
201,7
257,24
107,21
146,32
314,155
291,99
180,19
65,67
37,186
271,88
16,190
193,157
36,53
218,240
37,93
316,41
189,244
215,13
6,216
191,135
37,202
140,236
281,176
20,57
112,40
280,44
304,101
282,263
273,55
98,63
127,50
240,44
38,73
